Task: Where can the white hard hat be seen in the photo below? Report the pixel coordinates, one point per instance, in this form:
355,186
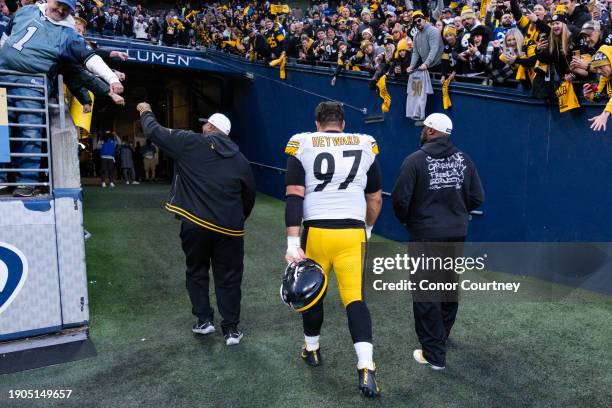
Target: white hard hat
439,122
220,121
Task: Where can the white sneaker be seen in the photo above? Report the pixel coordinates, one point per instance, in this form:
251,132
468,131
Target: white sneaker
135,182
103,185
112,184
201,327
233,336
127,181
419,358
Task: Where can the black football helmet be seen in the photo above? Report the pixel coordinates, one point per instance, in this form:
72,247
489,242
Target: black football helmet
304,284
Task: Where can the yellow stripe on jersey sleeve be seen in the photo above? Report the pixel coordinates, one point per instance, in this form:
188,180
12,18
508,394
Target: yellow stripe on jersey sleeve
374,147
292,147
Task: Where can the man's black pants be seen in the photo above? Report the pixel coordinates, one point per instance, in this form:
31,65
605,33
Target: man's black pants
205,248
435,311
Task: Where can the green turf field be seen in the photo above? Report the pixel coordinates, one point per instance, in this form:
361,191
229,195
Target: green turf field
502,354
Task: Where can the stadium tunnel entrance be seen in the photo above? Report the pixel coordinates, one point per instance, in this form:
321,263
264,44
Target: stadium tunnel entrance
178,97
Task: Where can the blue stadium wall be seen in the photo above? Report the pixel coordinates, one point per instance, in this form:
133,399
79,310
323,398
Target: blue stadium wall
546,175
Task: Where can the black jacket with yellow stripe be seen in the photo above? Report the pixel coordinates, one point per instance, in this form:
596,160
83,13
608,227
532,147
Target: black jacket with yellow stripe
213,185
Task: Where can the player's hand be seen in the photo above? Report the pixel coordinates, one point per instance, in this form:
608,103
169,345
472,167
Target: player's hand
423,67
143,107
86,108
116,87
409,70
294,255
599,121
120,75
294,251
123,56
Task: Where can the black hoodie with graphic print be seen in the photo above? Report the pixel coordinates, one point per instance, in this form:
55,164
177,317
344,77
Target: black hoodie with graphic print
437,187
213,184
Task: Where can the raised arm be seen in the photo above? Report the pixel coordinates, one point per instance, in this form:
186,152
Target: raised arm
170,141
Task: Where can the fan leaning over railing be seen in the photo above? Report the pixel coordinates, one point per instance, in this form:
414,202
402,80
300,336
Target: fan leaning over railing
28,50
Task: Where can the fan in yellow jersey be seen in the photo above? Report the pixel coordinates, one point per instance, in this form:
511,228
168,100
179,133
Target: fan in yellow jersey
602,65
333,184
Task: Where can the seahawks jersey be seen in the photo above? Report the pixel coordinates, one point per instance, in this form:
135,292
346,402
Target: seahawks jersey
36,45
335,168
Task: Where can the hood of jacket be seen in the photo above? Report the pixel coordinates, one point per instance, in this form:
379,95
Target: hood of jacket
222,145
439,147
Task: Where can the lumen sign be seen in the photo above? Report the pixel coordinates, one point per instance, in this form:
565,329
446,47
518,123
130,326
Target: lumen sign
160,58
13,274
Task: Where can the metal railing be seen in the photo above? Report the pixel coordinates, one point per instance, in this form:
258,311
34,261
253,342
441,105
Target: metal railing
44,172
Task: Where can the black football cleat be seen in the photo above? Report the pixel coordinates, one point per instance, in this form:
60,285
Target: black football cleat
367,383
312,358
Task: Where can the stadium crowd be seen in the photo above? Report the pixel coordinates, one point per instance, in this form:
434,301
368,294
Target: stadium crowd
540,43
544,45
529,41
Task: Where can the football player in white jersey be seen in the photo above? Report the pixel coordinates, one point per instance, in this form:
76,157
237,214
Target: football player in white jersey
333,185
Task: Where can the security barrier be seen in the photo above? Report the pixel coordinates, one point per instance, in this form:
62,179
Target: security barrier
43,283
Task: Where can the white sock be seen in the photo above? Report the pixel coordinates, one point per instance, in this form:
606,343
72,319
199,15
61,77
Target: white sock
364,355
312,342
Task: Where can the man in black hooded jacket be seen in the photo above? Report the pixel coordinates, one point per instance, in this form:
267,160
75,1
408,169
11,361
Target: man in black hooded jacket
213,192
437,188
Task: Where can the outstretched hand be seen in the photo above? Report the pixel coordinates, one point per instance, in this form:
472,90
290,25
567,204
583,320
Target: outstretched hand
117,99
120,75
123,56
116,87
599,121
143,107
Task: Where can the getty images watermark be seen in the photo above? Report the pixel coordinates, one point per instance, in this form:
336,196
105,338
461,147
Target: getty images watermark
440,269
486,271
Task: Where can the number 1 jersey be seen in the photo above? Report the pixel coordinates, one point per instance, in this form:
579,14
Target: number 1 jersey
335,169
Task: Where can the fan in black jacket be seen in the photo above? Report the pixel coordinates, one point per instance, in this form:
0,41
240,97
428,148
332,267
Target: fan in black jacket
213,192
577,14
259,45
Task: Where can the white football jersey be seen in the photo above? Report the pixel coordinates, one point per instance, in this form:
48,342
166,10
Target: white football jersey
336,166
